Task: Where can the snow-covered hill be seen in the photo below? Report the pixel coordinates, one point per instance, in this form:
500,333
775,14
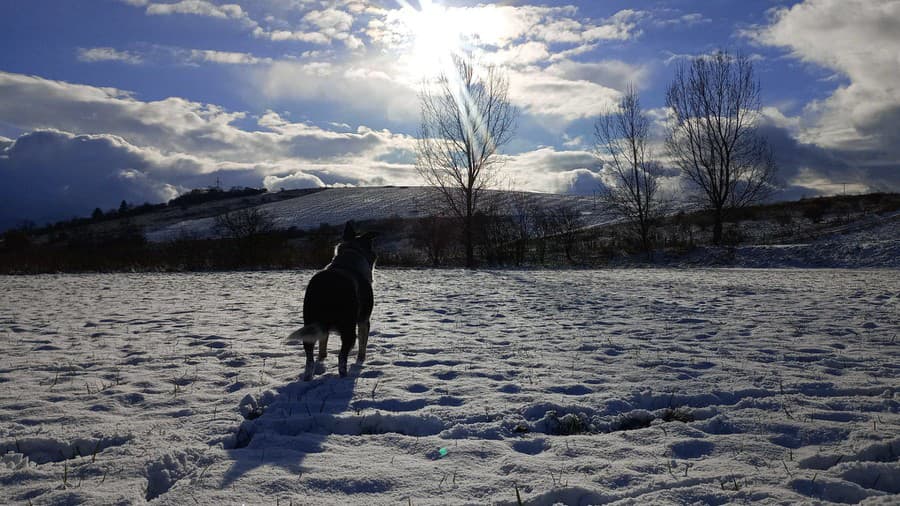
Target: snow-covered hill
870,242
836,232
335,206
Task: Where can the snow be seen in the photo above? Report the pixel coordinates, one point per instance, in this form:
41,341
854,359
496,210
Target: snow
871,242
577,387
335,206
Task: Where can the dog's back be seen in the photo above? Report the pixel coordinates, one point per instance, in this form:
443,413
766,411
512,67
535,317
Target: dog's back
333,298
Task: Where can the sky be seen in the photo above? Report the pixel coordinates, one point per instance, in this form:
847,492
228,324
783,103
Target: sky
140,100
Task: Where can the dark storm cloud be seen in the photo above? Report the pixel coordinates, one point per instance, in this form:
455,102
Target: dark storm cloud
52,175
793,156
865,168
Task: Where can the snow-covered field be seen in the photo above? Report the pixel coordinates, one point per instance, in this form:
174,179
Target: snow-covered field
577,387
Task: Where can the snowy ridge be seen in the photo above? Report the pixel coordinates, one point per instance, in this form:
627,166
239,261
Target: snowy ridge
335,206
586,387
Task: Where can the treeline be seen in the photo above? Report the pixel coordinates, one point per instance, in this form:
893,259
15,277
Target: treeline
555,237
130,210
517,234
126,249
247,239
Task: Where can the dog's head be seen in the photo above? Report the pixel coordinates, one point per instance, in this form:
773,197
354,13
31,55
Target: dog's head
358,243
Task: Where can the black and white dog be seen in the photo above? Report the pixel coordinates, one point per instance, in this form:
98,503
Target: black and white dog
339,298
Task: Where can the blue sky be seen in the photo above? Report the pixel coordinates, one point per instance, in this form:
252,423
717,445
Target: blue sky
105,100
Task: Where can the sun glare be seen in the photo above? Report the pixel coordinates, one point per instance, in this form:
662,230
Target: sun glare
433,37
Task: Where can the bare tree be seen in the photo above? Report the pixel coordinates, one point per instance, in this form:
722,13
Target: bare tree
243,224
714,137
621,140
466,118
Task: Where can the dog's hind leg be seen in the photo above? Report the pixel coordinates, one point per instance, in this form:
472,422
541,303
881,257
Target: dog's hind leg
348,338
323,352
363,337
310,364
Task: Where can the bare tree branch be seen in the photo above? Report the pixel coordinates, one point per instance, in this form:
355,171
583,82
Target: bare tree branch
243,224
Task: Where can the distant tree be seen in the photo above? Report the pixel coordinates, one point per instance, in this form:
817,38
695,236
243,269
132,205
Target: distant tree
97,214
123,207
466,118
621,140
244,223
714,137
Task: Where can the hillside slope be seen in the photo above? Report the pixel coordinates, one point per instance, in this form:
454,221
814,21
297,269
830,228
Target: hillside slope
871,242
335,206
525,229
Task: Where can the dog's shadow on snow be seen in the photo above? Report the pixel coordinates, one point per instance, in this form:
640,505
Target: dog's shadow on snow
284,425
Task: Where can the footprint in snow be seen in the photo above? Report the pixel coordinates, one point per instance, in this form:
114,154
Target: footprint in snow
446,375
571,390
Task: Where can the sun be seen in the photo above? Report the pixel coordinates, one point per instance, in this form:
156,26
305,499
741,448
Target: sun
432,37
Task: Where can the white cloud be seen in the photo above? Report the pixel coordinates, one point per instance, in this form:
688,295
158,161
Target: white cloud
773,116
548,94
621,26
283,35
364,85
546,169
197,8
316,27
666,18
860,39
330,20
575,51
610,73
524,54
101,54
293,181
226,57
573,142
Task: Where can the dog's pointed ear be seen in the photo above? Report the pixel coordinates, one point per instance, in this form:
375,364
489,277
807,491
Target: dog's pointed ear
349,231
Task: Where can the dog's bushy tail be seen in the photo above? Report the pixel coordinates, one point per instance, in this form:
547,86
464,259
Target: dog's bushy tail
309,334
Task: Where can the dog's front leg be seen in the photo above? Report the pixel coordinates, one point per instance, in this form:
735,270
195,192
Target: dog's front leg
363,337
